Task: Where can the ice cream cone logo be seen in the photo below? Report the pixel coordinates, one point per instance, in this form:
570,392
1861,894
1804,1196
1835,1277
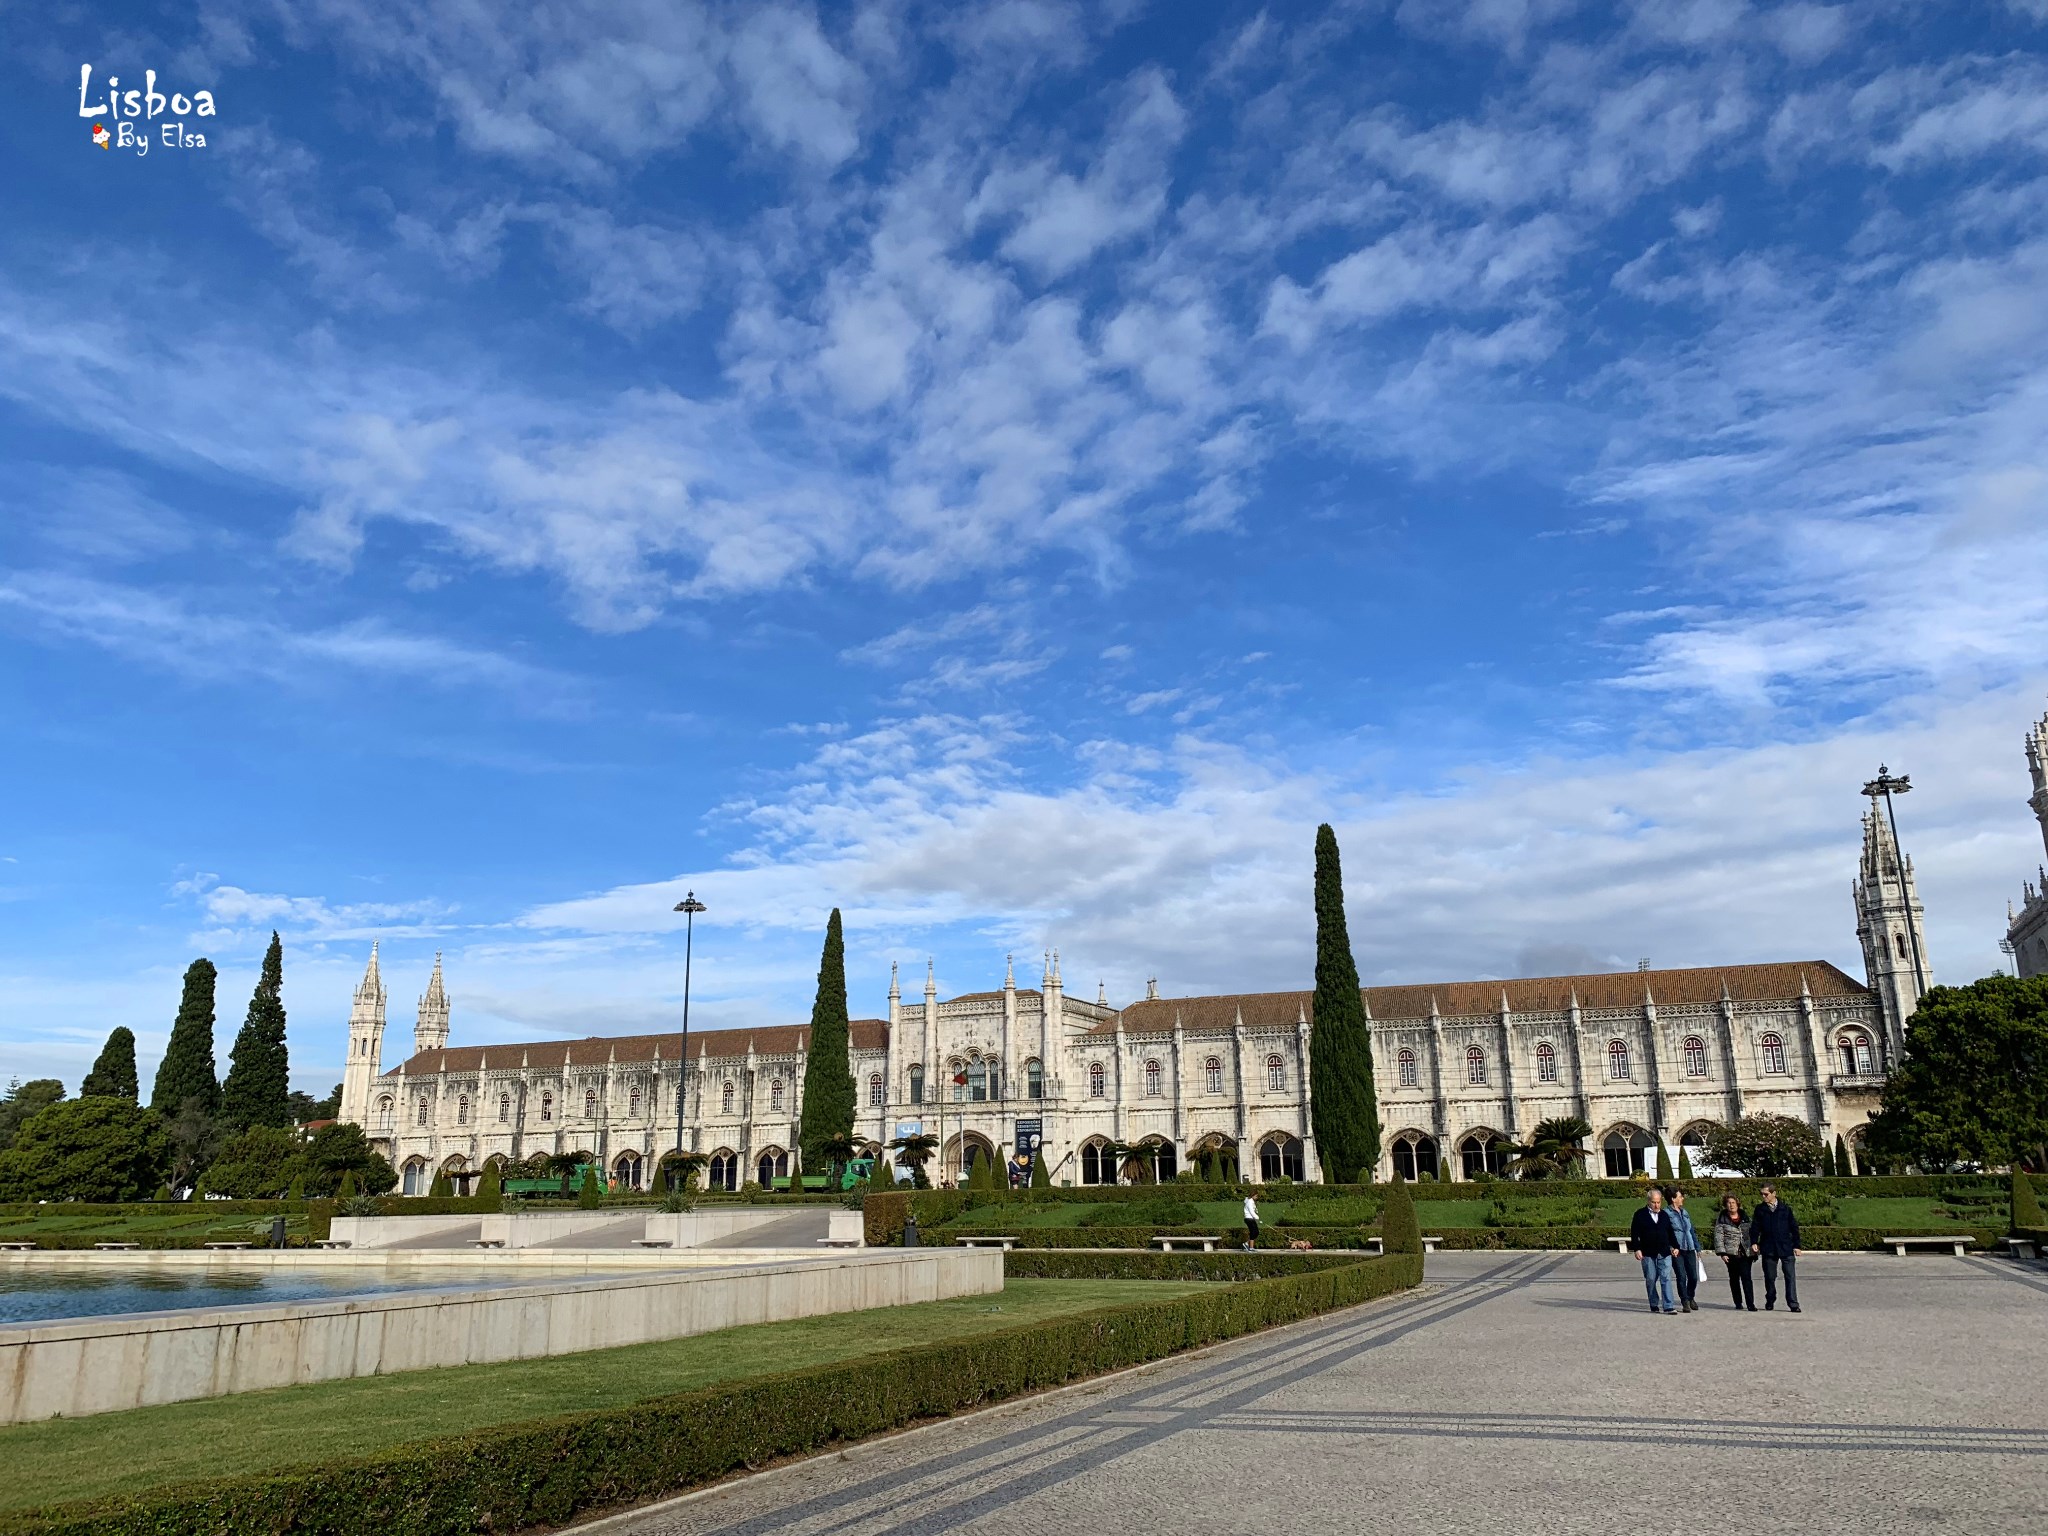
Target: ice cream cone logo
101,137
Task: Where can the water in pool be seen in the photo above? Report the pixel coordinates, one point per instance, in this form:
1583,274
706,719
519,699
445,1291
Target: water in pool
32,1295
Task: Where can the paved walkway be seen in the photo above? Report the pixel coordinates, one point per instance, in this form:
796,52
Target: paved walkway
1521,1393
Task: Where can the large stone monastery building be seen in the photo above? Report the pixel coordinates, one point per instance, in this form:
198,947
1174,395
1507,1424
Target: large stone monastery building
1464,1068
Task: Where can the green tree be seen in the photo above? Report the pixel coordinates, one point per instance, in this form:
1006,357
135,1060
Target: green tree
1041,1176
341,1162
1664,1161
24,1102
1827,1160
1554,1150
1400,1232
258,1089
913,1152
98,1149
296,1190
329,1107
490,1189
1973,1086
590,1194
829,1101
1345,1107
196,1138
113,1074
1765,1146
1684,1161
259,1164
2026,1206
186,1071
443,1187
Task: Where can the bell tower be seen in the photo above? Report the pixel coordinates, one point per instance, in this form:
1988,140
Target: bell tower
2026,933
365,1045
1890,922
431,1032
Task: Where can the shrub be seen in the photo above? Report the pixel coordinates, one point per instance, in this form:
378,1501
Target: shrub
1398,1228
2026,1207
1330,1213
1093,1264
590,1194
547,1471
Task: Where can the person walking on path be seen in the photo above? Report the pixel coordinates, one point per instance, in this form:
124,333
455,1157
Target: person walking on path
1652,1239
1774,1235
1731,1242
1685,1258
1251,1223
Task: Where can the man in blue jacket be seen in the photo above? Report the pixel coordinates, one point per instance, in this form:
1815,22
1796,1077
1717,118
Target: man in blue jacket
1653,1239
1774,1233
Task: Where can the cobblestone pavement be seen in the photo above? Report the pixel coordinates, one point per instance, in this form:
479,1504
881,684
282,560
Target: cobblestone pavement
1528,1393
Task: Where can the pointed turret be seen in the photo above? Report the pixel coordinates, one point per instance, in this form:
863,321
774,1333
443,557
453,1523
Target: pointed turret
431,1032
1891,925
2026,931
365,1044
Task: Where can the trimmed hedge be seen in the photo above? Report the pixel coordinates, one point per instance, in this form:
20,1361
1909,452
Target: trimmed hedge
551,1471
1086,1264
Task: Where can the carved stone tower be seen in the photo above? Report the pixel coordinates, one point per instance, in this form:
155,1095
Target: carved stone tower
365,1045
1892,927
2026,934
431,1032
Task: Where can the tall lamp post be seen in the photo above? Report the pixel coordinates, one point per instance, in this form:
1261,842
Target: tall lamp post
689,906
1885,785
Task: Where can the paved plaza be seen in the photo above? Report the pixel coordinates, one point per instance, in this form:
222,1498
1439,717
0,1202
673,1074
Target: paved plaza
1516,1393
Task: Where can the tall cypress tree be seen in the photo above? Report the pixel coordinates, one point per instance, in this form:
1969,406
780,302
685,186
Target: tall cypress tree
113,1075
1345,1105
186,1071
829,1100
258,1089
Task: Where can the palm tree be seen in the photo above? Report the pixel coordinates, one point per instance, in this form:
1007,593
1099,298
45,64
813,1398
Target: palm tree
914,1152
1553,1150
680,1169
838,1151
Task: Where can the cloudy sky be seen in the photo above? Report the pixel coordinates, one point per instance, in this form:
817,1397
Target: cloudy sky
1008,470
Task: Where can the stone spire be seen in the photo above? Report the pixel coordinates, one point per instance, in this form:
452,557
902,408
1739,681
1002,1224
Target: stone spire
2026,931
365,1045
431,1032
1892,927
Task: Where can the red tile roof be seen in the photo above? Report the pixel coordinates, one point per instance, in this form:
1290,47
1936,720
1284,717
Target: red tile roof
1535,994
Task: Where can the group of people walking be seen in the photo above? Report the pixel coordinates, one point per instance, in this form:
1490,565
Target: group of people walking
1662,1237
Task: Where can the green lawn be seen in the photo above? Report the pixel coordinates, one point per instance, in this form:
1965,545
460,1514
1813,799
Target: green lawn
194,1223
1436,1215
144,1448
1909,1212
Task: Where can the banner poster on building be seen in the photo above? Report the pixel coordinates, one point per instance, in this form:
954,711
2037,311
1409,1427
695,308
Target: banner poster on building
1029,1134
909,1128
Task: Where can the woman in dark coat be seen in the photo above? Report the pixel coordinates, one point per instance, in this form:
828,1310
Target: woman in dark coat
1731,1242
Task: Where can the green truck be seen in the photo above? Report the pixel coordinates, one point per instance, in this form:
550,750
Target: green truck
569,1184
853,1173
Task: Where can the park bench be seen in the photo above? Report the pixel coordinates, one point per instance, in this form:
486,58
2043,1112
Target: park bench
334,1242
17,1247
838,1242
1430,1242
226,1245
116,1247
487,1242
652,1242
1004,1243
1206,1242
1959,1244
2017,1247
1618,1244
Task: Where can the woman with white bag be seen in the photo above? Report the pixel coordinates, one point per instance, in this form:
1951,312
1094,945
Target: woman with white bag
1685,1263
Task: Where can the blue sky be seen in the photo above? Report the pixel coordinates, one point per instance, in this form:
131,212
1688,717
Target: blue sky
1007,470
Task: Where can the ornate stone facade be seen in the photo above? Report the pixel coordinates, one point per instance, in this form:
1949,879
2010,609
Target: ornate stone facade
2026,931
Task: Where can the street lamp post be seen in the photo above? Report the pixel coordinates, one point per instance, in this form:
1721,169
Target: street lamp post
1887,784
689,906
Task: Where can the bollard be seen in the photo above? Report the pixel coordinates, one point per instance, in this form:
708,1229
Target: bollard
910,1231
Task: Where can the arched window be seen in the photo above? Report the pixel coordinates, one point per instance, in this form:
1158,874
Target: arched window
504,1106
1695,1056
1276,1075
420,1111
626,1171
1404,1064
1034,1079
977,1081
385,1110
917,1085
1098,1164
1546,1062
774,1164
462,1110
1212,1074
1853,1046
1773,1049
1280,1158
1152,1080
724,1172
1617,1059
874,1090
633,1104
547,1106
775,1096
1475,1065
1415,1156
1625,1150
416,1180
1096,1080
590,1103
957,1071
1483,1152
1899,944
